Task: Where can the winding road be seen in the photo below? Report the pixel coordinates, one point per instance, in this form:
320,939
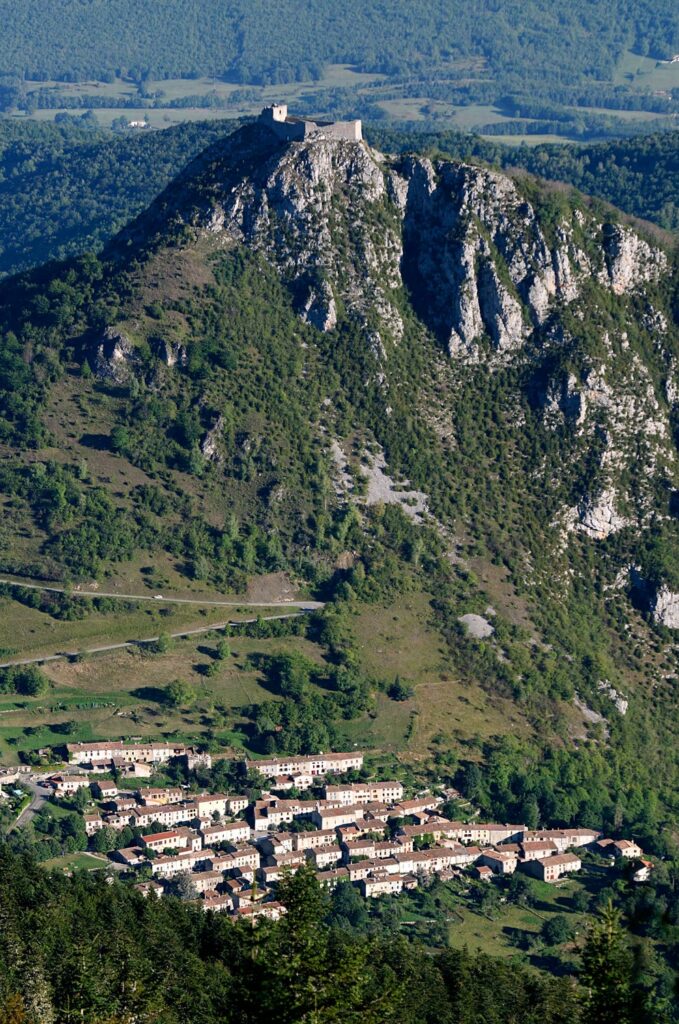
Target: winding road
304,607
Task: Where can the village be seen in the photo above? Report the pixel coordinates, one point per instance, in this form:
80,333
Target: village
229,852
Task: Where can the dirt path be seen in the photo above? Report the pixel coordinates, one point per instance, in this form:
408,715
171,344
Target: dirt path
153,639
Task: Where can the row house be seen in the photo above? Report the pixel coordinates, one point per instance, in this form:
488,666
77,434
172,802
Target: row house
272,813
122,805
239,859
275,842
208,805
109,750
333,817
362,848
218,904
118,821
315,839
329,879
311,764
236,804
552,868
156,795
291,858
164,814
389,848
325,856
177,839
426,862
206,881
274,872
563,838
538,849
174,863
364,868
383,885
365,793
231,832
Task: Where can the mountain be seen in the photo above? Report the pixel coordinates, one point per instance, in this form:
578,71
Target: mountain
385,375
66,189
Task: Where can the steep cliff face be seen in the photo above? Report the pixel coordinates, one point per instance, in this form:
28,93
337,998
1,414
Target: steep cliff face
499,276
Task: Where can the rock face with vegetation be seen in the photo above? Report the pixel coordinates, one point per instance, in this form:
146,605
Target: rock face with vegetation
379,373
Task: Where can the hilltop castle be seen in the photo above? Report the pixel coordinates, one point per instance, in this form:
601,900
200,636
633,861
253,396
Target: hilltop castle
295,129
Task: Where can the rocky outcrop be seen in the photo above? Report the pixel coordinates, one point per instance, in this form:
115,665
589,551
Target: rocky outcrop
116,357
630,261
597,517
665,607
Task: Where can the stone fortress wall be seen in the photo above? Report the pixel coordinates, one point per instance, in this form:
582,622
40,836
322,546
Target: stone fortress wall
294,129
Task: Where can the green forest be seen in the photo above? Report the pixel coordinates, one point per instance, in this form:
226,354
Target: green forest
531,60
79,947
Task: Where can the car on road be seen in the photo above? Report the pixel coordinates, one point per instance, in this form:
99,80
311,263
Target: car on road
158,597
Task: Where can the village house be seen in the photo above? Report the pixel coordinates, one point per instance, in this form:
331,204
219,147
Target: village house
154,796
298,780
117,821
537,849
325,856
231,832
218,904
174,863
104,790
408,807
206,881
275,842
66,785
92,823
329,879
626,848
247,857
130,856
177,839
312,840
364,849
365,793
273,911
289,858
642,871
482,872
332,817
564,838
273,812
382,885
552,868
212,804
150,888
311,764
122,804
164,814
500,862
146,753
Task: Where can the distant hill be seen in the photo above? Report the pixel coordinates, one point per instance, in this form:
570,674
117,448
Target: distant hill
523,52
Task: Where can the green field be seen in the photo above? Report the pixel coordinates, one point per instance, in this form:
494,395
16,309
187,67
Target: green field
76,861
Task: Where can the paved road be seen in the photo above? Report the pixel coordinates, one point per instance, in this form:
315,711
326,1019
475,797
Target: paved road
153,639
39,795
161,599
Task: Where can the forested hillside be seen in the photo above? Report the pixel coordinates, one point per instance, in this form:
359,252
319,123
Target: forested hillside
66,189
532,61
180,39
78,946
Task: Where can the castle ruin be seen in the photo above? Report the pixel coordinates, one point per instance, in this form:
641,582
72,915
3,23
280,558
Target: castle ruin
297,129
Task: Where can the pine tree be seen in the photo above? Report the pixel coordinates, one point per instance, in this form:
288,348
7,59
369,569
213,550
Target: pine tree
606,971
